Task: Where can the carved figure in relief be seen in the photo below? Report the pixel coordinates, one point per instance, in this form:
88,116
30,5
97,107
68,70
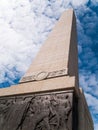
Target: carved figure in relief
61,109
46,112
40,113
5,105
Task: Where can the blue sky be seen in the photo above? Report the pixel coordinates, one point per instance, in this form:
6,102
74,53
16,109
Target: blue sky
24,26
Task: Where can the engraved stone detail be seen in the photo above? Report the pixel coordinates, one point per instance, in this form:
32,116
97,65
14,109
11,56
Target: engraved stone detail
36,112
44,75
41,75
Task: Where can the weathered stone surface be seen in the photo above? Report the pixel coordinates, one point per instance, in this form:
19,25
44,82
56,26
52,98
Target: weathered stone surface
37,112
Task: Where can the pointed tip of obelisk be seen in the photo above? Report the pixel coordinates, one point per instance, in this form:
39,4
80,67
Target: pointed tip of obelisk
69,11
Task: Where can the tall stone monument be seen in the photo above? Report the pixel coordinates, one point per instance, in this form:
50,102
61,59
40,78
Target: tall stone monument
48,96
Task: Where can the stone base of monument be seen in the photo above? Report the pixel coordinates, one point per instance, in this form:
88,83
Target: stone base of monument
55,110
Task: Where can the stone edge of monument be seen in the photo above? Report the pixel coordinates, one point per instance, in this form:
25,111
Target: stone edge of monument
61,83
85,118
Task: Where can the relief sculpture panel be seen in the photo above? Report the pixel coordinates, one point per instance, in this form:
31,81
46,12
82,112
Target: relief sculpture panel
36,112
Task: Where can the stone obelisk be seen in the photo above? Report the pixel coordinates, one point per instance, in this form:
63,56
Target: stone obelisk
48,96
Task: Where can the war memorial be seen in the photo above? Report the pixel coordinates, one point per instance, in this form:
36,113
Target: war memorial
48,96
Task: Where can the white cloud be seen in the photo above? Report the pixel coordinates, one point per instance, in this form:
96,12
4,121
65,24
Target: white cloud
92,101
94,1
78,2
96,126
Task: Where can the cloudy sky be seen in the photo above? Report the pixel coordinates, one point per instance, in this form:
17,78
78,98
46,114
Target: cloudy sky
24,26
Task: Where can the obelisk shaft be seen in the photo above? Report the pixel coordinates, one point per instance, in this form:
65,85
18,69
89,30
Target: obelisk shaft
59,52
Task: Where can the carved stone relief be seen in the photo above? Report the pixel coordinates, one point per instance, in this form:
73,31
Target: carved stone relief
44,75
36,112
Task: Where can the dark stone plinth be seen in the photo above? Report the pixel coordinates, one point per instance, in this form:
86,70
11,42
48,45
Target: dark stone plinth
47,111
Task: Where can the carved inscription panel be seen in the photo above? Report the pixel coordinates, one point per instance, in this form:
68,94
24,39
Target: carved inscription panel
44,75
36,112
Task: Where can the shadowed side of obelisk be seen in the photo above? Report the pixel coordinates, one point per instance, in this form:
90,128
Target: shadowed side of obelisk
73,52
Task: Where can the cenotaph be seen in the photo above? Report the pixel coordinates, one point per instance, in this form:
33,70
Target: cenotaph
48,96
